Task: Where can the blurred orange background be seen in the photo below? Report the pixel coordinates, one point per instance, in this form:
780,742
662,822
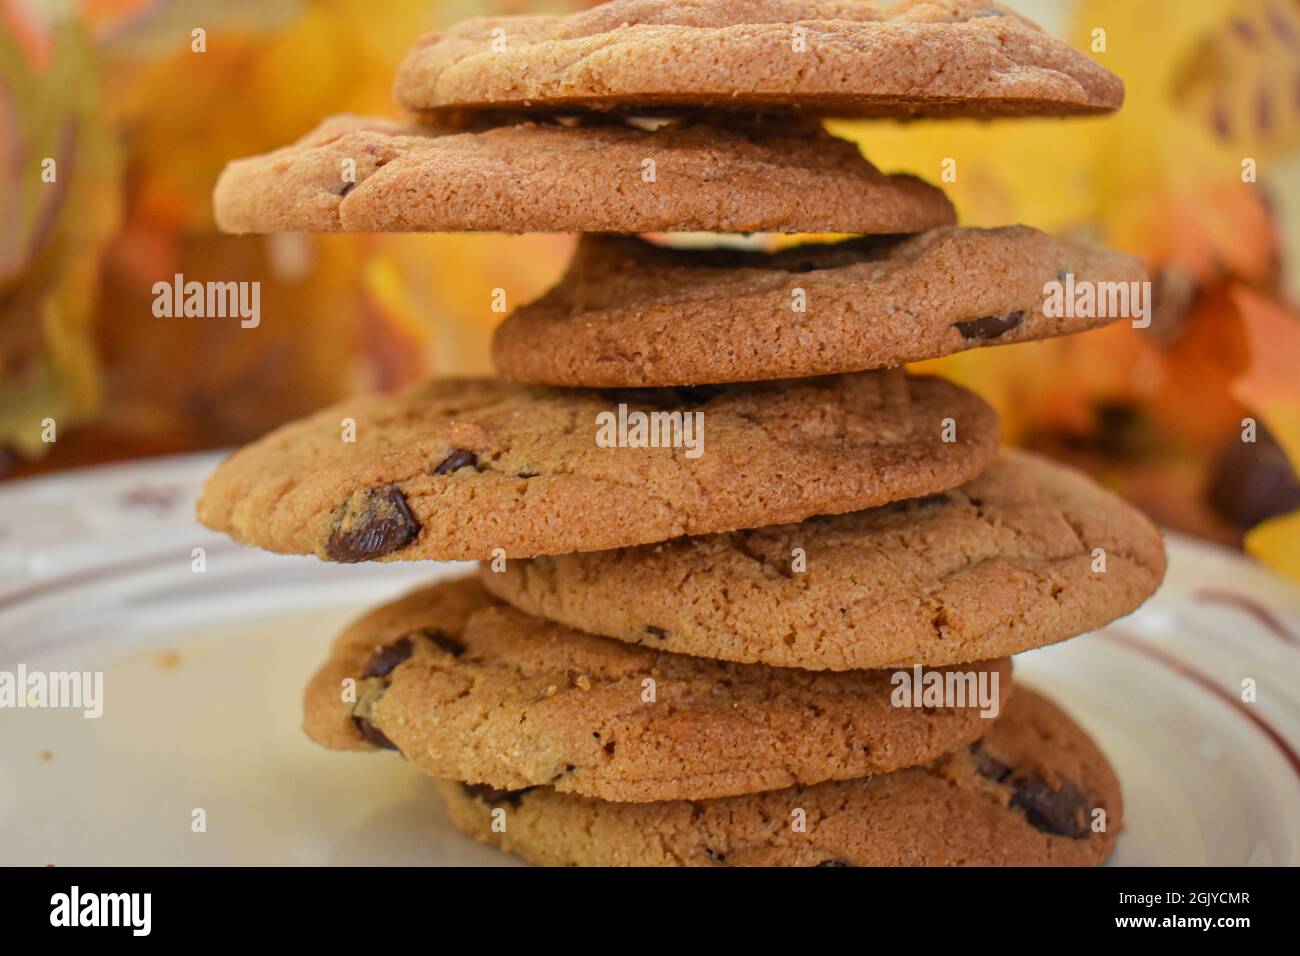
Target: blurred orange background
1199,173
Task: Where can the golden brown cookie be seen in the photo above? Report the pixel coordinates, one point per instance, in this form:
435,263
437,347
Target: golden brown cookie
364,175
1026,554
1035,791
833,57
477,691
458,468
631,314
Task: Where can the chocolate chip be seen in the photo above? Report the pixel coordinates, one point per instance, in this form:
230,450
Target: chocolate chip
658,632
373,523
988,766
834,863
1063,812
445,641
489,794
385,659
372,734
990,326
458,459
714,855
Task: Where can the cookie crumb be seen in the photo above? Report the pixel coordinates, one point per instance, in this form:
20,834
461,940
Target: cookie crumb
167,660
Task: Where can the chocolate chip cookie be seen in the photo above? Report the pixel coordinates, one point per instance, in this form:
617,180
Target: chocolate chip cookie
834,57
1035,791
457,469
629,313
1028,553
364,175
477,691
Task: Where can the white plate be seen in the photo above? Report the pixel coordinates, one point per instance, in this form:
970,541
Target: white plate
203,674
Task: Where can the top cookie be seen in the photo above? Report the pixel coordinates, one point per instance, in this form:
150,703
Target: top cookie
919,58
629,313
1026,554
365,175
457,468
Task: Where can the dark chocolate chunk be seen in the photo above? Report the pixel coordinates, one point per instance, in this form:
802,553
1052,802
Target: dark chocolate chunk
1062,812
383,661
988,766
834,863
658,632
443,640
373,523
489,794
458,459
989,326
372,734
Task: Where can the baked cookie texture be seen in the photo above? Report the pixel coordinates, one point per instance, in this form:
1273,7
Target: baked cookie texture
477,691
1027,794
834,57
353,174
1002,564
453,469
628,313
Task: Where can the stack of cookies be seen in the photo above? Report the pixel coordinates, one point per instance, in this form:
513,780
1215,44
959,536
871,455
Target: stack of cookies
749,589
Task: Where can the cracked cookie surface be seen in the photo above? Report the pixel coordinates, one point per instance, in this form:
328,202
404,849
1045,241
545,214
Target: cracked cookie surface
1002,564
353,174
455,468
631,314
474,690
833,57
1028,794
